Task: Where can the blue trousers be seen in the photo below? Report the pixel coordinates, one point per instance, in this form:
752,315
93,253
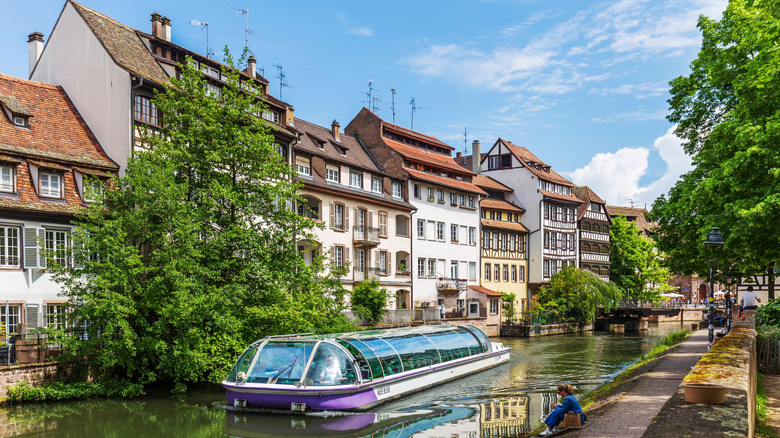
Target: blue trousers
556,416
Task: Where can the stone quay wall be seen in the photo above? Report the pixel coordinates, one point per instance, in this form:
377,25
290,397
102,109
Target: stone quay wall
34,374
526,331
731,363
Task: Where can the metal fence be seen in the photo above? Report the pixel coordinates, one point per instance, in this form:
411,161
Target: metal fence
768,355
28,348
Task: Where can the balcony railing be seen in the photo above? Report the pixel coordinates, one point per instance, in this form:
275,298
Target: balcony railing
362,235
451,284
363,273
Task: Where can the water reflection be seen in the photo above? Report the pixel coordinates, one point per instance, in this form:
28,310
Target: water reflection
505,401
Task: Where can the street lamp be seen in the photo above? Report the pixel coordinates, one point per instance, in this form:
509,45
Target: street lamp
729,282
713,248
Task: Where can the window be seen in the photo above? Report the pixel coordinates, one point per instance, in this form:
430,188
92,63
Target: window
382,262
56,241
417,191
303,165
356,180
421,228
213,90
487,271
271,116
145,111
506,273
546,239
440,195
21,121
594,207
496,272
338,217
53,315
546,211
421,267
7,179
453,198
432,268
506,160
493,162
473,271
398,190
496,236
376,185
401,225
93,188
504,238
461,200
514,273
51,184
472,236
512,239
454,269
571,242
9,247
486,240
439,230
493,307
546,268
332,173
338,256
521,276
430,194
472,203
454,233
12,318
382,224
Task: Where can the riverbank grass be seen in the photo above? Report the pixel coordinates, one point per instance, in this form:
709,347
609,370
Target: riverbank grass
23,392
762,411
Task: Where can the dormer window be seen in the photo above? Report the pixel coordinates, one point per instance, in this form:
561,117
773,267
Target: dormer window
144,110
51,184
93,188
21,121
6,178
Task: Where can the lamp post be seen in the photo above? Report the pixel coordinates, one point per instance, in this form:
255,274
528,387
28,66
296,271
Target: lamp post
729,282
713,248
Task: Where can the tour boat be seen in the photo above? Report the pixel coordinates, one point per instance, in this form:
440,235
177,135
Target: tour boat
359,370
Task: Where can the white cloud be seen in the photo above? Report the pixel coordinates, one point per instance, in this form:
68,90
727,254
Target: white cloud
353,29
616,176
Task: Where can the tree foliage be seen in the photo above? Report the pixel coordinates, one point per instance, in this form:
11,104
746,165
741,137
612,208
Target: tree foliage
508,302
635,262
574,295
369,300
192,256
727,112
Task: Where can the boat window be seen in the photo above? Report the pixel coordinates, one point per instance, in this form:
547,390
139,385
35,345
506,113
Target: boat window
481,336
281,362
391,363
243,362
473,345
331,367
362,362
374,366
450,345
415,351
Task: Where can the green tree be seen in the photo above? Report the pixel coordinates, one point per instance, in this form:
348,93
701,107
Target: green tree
726,112
192,256
574,295
635,265
369,300
508,306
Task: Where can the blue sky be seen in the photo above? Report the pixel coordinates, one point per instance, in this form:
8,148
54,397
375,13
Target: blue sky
582,84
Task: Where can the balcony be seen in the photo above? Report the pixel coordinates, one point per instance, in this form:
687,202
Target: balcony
451,285
363,273
365,236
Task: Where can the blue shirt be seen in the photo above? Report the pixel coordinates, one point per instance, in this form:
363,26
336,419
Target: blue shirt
569,404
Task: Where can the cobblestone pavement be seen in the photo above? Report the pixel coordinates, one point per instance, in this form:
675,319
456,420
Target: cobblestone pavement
633,411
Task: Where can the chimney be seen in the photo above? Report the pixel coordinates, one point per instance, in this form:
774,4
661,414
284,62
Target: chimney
458,155
166,29
334,128
157,30
251,66
34,48
476,156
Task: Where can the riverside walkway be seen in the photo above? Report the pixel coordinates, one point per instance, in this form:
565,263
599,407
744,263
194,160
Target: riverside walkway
631,414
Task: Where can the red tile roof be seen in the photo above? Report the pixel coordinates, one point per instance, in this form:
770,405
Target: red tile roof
447,182
420,136
486,291
499,204
528,159
514,226
587,195
561,196
426,156
487,182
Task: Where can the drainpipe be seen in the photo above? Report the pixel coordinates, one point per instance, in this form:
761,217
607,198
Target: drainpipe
412,265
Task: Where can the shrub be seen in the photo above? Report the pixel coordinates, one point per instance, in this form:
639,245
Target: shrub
55,391
369,300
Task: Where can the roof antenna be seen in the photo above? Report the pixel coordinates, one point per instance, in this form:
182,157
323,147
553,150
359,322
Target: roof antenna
247,31
282,83
204,25
465,140
374,107
392,105
415,108
369,94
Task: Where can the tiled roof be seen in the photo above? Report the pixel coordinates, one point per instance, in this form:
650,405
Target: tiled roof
426,156
527,157
486,291
356,156
122,44
639,213
499,204
514,226
320,185
57,138
410,133
14,106
560,196
487,182
56,131
447,182
587,195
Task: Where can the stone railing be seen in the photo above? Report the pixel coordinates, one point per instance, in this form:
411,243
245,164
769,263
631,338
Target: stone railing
731,366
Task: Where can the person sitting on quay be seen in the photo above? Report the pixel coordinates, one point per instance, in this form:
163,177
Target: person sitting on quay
570,404
749,301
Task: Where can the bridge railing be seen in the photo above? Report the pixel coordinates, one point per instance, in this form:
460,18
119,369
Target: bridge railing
668,305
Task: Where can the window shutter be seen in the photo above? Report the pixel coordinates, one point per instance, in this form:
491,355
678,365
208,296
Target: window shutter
346,218
370,218
333,254
332,216
346,255
33,254
389,262
32,317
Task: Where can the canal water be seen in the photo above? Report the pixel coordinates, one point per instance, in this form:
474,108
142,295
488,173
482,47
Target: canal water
505,401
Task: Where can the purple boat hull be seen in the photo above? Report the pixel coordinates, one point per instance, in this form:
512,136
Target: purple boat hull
314,399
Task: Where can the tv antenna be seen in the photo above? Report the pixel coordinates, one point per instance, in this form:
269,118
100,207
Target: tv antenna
247,30
415,108
465,140
369,94
204,25
392,105
282,82
374,104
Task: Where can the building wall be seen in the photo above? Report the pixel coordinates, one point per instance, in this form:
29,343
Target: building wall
74,58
